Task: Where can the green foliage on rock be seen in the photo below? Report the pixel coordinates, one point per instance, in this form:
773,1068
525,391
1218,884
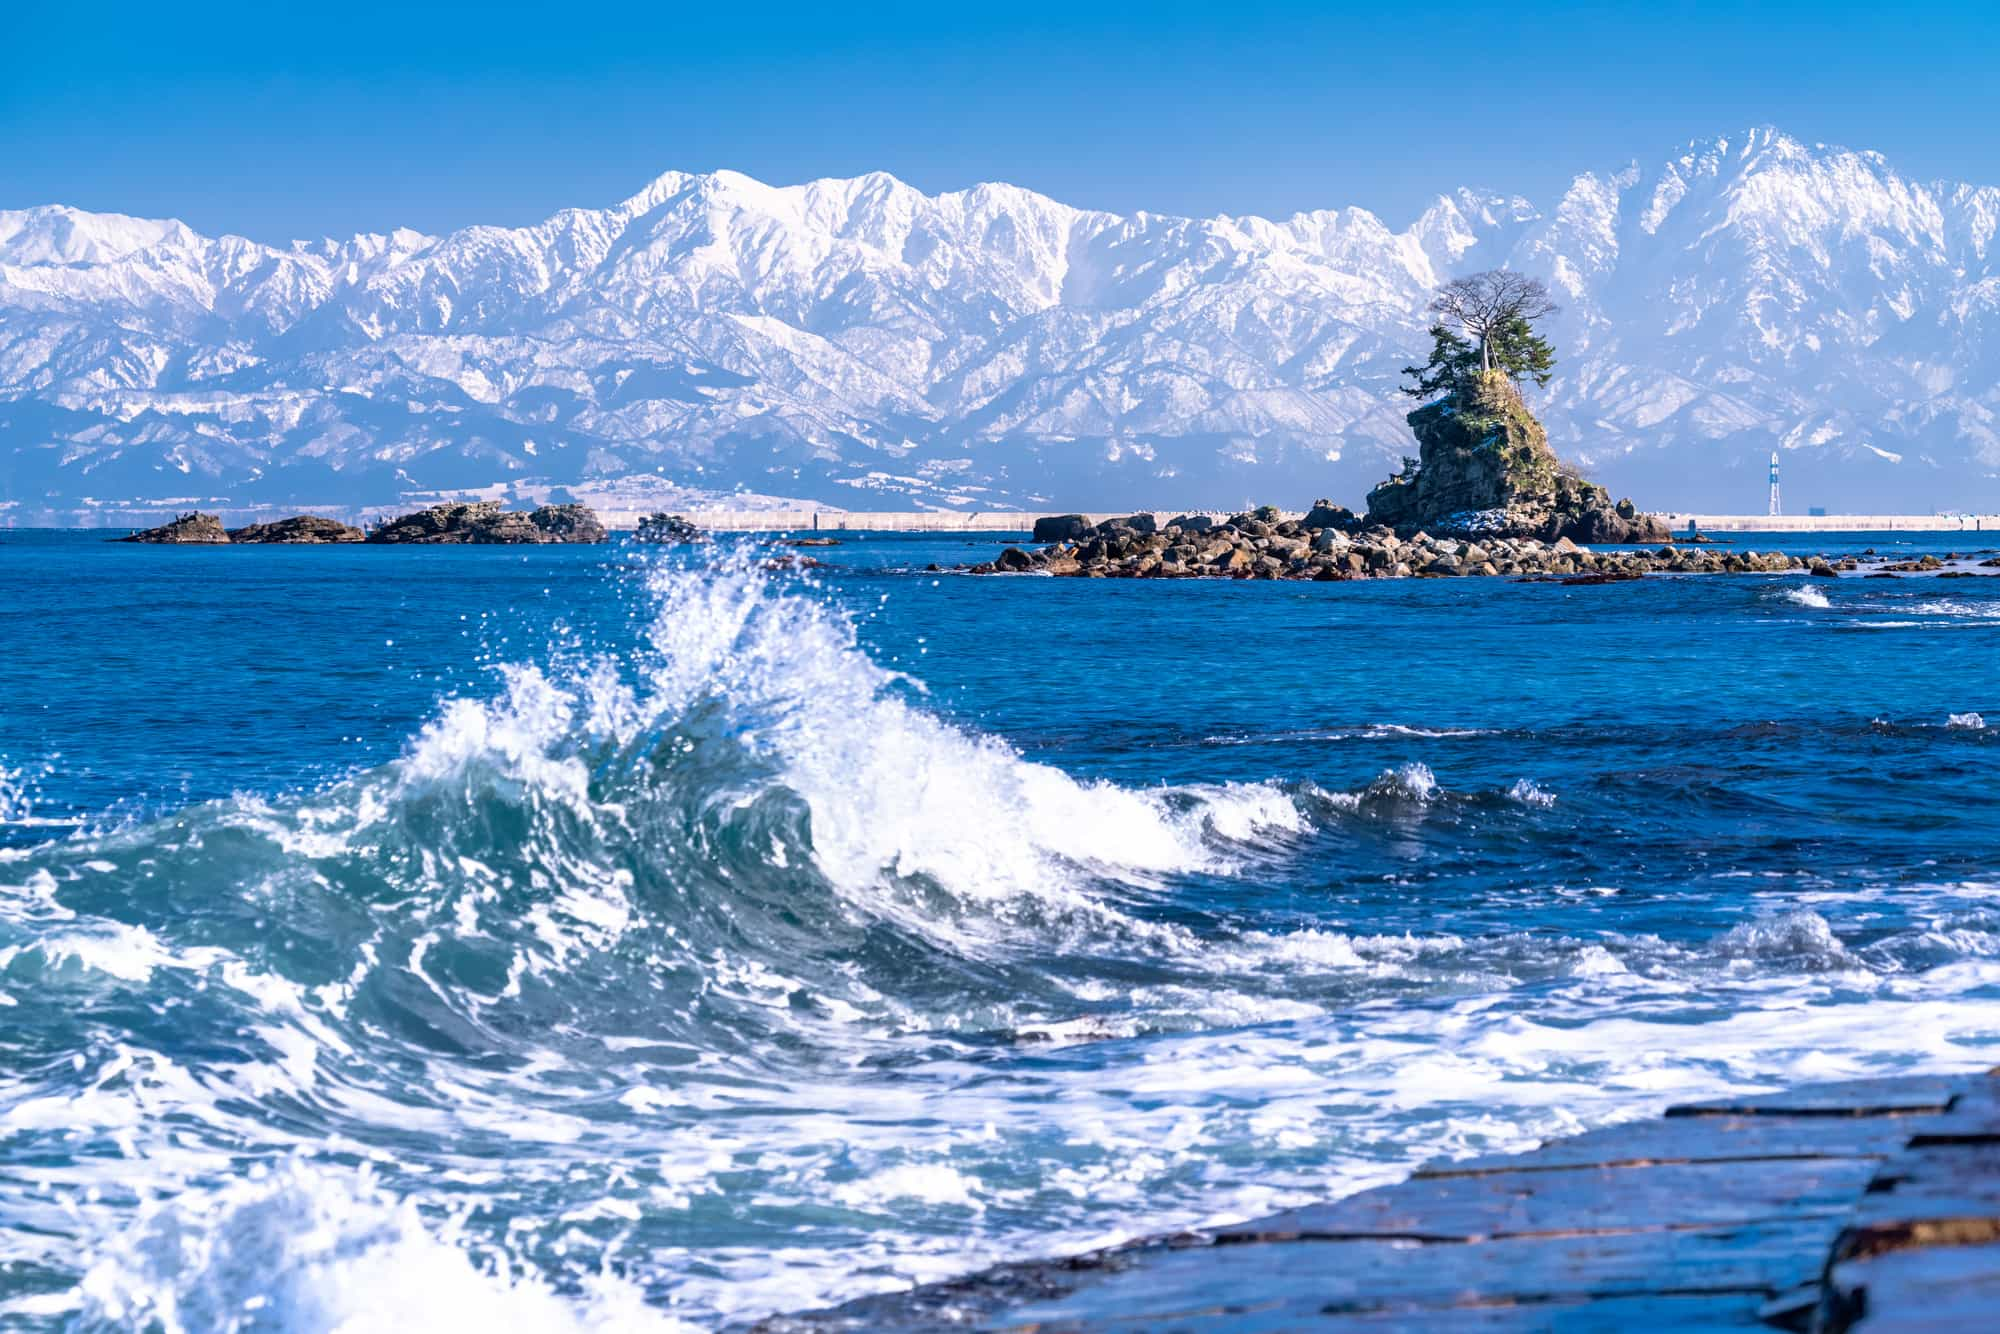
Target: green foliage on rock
1454,361
1514,348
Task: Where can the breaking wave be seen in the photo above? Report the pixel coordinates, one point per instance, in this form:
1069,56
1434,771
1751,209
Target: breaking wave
697,951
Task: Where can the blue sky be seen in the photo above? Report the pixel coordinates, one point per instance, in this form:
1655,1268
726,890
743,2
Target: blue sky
275,122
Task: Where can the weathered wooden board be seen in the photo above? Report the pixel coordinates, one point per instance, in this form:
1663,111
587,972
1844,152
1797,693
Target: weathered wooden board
1932,1290
1622,1315
1855,1097
1695,1139
1974,1114
1502,1204
1361,1278
1936,1181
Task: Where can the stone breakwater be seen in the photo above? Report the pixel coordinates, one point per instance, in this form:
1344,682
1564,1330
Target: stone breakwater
1866,1206
1252,547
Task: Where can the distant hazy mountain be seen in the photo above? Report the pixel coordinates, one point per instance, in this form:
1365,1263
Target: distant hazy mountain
860,343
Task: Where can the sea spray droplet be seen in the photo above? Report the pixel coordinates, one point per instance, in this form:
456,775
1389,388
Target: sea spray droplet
1528,793
1412,782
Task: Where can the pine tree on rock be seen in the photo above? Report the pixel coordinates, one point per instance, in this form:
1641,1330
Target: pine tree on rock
1486,322
1454,361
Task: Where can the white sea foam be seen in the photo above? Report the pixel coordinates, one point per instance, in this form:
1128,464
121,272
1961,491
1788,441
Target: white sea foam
1806,595
926,1183
1970,722
14,803
1801,938
1363,732
1958,607
1412,782
1529,793
308,1248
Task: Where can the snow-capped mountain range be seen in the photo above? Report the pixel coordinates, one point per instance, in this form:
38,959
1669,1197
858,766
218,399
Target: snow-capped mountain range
861,344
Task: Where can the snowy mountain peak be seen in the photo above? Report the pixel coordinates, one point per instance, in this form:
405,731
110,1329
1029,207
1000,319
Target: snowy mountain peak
856,340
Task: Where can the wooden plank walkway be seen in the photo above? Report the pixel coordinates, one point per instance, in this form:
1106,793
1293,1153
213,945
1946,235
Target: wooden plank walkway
1871,1206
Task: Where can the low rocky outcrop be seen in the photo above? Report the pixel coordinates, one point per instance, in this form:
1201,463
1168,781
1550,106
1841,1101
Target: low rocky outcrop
669,528
1326,514
302,528
569,523
187,530
484,522
1485,469
1061,528
1317,547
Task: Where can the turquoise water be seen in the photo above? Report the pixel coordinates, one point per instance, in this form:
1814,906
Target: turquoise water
608,938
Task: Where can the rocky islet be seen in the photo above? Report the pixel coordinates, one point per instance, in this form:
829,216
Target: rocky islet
1320,546
186,530
481,522
485,522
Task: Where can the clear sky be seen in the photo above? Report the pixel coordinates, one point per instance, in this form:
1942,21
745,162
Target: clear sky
279,121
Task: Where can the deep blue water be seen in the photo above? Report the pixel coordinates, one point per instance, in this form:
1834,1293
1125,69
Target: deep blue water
602,937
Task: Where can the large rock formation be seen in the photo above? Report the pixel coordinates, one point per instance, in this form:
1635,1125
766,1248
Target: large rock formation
188,530
1485,469
484,522
300,528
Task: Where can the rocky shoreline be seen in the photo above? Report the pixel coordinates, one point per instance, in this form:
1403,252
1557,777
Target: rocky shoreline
1321,547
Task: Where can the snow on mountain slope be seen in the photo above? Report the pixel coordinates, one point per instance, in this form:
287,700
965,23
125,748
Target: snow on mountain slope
858,342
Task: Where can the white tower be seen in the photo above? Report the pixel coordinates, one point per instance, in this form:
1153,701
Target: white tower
1775,510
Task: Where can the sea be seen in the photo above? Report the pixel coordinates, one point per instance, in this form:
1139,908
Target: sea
625,937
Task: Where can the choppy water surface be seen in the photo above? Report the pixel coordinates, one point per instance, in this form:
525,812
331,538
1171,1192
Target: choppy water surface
586,938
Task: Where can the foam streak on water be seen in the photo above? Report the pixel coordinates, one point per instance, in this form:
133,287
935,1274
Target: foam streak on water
733,972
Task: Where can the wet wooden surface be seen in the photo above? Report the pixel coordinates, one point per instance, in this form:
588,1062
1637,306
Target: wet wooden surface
1869,1206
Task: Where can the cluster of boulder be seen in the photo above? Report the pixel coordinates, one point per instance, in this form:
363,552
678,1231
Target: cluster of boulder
484,522
479,522
1328,543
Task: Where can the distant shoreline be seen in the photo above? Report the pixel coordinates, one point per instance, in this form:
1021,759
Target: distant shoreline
1020,521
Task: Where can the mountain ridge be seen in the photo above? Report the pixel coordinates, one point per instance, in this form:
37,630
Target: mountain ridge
855,341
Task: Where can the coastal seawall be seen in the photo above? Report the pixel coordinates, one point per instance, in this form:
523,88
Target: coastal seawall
1871,1205
1835,523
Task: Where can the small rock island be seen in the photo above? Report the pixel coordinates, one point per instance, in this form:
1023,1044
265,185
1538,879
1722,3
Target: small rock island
1485,495
482,522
